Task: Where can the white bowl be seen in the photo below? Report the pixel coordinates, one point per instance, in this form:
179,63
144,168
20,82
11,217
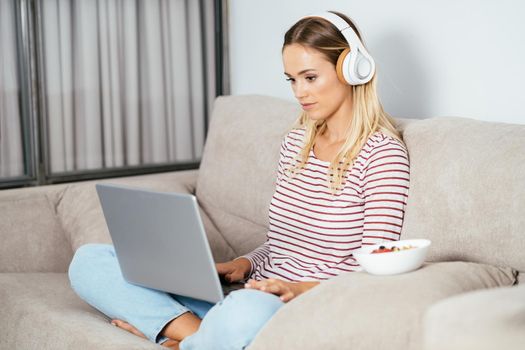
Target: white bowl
392,263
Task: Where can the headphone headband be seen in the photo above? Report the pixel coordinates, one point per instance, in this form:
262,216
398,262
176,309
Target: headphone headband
337,21
356,66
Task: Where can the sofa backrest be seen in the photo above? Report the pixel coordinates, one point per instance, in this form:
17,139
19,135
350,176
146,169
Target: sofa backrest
239,165
467,185
467,189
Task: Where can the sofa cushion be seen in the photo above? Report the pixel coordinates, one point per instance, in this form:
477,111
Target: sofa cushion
31,235
83,220
466,190
366,312
481,320
41,311
239,165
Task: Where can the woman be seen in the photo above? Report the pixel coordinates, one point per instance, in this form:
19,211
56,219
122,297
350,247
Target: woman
342,182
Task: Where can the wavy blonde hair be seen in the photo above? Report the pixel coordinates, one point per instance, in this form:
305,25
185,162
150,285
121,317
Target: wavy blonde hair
368,114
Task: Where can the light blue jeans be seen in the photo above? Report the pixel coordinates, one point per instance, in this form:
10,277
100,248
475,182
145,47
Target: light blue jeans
96,277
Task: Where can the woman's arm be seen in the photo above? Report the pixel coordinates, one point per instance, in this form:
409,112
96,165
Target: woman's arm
385,183
256,256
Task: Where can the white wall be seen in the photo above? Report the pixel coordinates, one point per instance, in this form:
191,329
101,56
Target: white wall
435,58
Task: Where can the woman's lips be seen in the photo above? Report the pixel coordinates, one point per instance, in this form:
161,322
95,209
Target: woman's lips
307,106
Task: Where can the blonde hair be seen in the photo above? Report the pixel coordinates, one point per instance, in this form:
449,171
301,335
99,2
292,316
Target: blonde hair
368,114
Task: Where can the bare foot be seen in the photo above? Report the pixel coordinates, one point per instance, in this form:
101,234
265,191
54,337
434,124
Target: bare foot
170,343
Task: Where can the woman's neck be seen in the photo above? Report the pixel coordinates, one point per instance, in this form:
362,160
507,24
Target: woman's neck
337,124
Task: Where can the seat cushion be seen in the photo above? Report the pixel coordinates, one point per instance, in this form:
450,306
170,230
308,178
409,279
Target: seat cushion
361,311
481,320
466,190
41,311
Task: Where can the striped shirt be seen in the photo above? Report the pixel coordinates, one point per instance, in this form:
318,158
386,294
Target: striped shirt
313,233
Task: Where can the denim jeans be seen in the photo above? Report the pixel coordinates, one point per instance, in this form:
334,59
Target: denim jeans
232,323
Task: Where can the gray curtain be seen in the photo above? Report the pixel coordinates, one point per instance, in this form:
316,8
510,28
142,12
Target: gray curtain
11,149
124,82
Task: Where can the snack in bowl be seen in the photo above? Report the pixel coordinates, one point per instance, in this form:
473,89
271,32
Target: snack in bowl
383,249
394,257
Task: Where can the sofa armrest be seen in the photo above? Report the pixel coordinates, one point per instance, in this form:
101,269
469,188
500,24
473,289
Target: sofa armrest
32,239
481,320
41,226
361,311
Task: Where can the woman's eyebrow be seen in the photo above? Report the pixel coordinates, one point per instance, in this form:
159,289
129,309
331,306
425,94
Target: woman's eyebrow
301,72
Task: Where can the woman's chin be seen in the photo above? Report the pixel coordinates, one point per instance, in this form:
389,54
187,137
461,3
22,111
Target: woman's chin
315,116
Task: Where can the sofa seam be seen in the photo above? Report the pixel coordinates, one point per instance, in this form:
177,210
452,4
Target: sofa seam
59,217
225,239
219,231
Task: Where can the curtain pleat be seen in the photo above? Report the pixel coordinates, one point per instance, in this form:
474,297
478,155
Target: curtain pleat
129,66
152,96
197,78
180,77
11,147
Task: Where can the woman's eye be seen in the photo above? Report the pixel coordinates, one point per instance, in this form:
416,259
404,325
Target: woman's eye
311,78
290,80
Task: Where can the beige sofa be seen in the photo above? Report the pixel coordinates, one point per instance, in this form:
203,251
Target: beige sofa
467,195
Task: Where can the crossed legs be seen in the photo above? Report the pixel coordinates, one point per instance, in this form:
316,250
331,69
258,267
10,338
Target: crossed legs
171,320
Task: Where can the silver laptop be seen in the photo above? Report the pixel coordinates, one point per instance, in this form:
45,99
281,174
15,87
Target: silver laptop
160,242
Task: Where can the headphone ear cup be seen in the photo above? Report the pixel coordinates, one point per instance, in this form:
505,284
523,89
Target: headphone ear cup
363,68
342,65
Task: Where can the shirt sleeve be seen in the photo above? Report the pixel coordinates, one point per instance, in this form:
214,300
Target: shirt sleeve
348,264
385,183
257,256
284,161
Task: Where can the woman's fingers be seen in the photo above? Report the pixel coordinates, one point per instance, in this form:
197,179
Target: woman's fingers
261,285
251,284
230,278
270,286
287,297
235,276
280,288
226,270
222,268
231,272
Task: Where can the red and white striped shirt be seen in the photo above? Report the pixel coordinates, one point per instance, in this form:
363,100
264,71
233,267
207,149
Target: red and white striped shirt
312,233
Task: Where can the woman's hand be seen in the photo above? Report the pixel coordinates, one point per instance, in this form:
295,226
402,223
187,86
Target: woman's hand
286,291
235,270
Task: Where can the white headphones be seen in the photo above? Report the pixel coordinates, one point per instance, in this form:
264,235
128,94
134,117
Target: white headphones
354,66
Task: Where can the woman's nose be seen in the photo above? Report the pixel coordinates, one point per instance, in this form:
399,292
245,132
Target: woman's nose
300,90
